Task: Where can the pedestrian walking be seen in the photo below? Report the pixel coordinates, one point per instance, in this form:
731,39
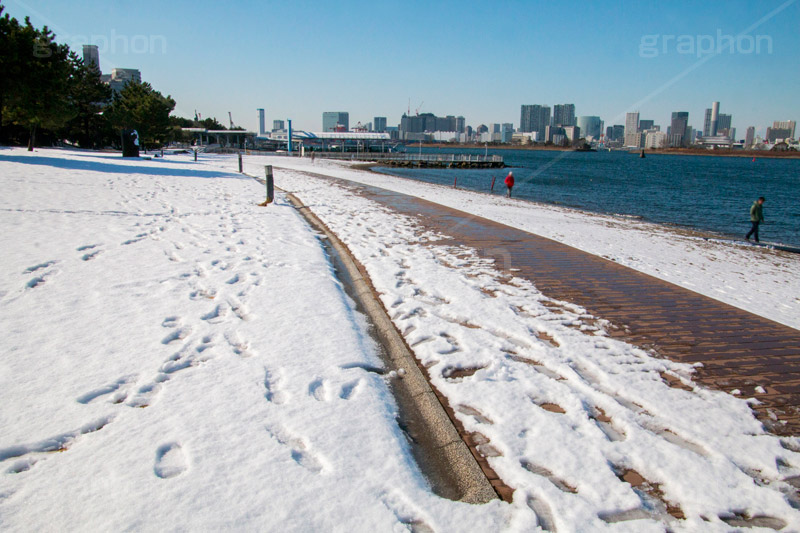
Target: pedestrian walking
756,218
509,183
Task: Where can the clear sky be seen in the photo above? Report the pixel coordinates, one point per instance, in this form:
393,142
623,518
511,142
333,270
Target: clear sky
481,60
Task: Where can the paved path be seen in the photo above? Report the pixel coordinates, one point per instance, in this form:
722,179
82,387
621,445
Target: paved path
739,350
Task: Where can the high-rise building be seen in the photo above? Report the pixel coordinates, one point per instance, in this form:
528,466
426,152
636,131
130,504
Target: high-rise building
121,76
723,123
91,55
379,124
333,120
677,128
591,126
278,125
749,139
534,118
645,125
778,134
631,129
564,115
785,125
714,119
262,123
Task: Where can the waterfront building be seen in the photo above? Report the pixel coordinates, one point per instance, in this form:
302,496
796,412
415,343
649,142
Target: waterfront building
750,136
278,125
775,135
534,118
656,139
631,128
506,132
785,125
335,120
591,127
411,127
379,124
564,115
677,129
572,133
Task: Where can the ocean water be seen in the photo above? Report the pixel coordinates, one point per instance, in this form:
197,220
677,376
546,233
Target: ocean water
710,194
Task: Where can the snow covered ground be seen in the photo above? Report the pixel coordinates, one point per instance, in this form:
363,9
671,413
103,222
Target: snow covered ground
757,280
176,357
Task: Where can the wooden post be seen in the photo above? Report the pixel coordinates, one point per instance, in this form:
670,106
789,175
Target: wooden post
195,155
455,179
493,178
240,163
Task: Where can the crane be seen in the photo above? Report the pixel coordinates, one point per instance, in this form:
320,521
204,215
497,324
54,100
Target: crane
230,119
419,107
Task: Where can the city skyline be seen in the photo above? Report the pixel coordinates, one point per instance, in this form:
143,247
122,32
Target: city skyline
297,61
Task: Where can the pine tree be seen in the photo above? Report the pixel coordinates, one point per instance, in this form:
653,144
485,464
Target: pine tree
36,92
90,97
138,106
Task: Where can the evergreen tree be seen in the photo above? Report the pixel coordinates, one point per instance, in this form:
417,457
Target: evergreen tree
90,96
38,74
138,106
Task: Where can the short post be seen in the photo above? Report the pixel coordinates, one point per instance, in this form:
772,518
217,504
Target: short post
240,163
493,178
270,186
455,179
195,155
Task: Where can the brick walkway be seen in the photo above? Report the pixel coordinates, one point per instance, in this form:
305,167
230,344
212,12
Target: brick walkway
739,350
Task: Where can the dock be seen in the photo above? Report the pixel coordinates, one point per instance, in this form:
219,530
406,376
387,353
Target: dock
419,160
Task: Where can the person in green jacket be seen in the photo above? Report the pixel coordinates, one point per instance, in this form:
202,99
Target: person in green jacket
756,218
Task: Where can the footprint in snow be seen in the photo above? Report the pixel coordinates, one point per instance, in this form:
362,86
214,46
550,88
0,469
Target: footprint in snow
171,461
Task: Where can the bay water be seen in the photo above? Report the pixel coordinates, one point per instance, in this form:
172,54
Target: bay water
706,193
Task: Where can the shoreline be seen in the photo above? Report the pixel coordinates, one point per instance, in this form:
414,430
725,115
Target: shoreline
676,228
636,151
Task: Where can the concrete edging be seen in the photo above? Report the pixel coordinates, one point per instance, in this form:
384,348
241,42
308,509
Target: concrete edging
453,456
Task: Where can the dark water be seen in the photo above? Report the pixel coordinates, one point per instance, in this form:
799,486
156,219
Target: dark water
700,192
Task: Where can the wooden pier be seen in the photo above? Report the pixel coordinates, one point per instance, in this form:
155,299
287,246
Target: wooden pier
419,160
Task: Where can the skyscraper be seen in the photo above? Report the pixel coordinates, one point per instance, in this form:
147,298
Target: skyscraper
785,125
262,123
564,115
534,118
677,128
631,128
330,120
379,124
749,139
645,124
714,119
590,126
91,55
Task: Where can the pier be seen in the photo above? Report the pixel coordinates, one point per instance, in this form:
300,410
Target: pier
419,160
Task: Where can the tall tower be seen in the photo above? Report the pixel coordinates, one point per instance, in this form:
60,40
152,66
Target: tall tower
714,118
262,123
91,55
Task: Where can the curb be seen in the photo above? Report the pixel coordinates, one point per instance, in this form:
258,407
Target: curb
451,457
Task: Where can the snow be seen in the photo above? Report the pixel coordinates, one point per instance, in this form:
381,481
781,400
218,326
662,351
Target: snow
176,357
762,281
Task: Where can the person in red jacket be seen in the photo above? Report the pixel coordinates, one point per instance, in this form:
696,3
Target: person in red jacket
509,183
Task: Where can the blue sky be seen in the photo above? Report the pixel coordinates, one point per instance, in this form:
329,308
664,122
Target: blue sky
481,60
